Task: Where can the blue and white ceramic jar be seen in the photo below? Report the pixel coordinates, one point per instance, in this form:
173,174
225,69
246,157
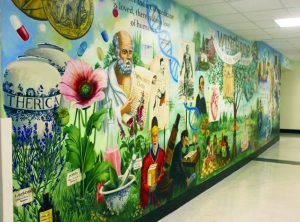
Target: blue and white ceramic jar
53,53
30,89
56,56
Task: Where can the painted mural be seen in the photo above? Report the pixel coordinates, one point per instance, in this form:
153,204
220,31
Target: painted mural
120,106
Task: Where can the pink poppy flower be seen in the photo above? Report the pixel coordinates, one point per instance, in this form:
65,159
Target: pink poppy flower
81,84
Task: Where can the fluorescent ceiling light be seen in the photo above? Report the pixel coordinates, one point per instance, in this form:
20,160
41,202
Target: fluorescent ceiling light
288,22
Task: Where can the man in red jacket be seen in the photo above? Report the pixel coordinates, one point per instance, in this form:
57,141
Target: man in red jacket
154,160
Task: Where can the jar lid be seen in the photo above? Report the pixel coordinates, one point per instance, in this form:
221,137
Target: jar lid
49,45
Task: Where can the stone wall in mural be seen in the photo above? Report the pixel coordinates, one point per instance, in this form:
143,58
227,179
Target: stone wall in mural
120,106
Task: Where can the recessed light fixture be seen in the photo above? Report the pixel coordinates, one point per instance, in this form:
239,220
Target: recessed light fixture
288,22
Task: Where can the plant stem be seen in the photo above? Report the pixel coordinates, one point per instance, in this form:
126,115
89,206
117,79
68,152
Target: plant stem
82,120
24,214
75,116
79,125
85,112
94,136
94,109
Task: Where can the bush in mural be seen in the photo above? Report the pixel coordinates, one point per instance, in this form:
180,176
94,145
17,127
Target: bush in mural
37,164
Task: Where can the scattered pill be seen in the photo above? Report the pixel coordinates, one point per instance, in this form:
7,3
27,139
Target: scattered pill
115,12
100,53
82,48
19,27
104,35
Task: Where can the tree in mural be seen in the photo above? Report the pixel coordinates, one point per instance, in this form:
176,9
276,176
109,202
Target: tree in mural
240,73
109,57
197,41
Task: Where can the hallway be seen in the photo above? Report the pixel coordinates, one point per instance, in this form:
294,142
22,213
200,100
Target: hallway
265,190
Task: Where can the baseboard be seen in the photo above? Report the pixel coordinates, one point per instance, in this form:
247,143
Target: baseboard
174,204
290,131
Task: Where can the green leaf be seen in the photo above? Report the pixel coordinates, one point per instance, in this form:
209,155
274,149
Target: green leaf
100,173
73,146
114,180
88,158
73,132
97,65
95,121
140,137
123,145
131,144
74,159
81,153
111,113
135,127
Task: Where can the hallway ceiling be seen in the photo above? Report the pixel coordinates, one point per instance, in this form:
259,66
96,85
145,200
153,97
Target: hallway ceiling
254,20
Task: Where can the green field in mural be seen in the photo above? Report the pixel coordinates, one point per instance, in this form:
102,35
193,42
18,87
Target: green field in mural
121,106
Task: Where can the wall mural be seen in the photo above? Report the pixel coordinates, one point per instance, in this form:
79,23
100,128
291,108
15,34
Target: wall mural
120,106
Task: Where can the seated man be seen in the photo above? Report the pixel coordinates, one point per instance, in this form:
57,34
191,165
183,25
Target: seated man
154,160
180,180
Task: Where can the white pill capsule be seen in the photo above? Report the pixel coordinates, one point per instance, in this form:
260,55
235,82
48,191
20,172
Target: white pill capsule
19,27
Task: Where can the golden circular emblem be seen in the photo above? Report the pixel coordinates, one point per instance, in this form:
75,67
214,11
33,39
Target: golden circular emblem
70,18
32,8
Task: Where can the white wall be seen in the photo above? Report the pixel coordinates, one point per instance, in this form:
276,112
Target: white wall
290,98
6,186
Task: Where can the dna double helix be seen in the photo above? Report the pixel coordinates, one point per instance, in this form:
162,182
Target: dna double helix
154,20
191,109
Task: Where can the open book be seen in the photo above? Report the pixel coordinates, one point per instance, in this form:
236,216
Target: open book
151,175
190,156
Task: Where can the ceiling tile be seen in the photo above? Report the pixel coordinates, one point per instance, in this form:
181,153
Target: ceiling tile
294,12
295,58
290,51
225,19
294,40
267,15
282,30
214,9
281,46
285,35
277,41
256,5
256,37
240,26
290,3
296,46
256,31
266,24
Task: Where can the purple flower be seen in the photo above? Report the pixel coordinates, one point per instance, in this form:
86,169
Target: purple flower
129,122
15,164
28,168
139,114
131,132
122,133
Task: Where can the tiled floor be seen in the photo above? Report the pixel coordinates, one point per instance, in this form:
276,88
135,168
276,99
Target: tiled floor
258,192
